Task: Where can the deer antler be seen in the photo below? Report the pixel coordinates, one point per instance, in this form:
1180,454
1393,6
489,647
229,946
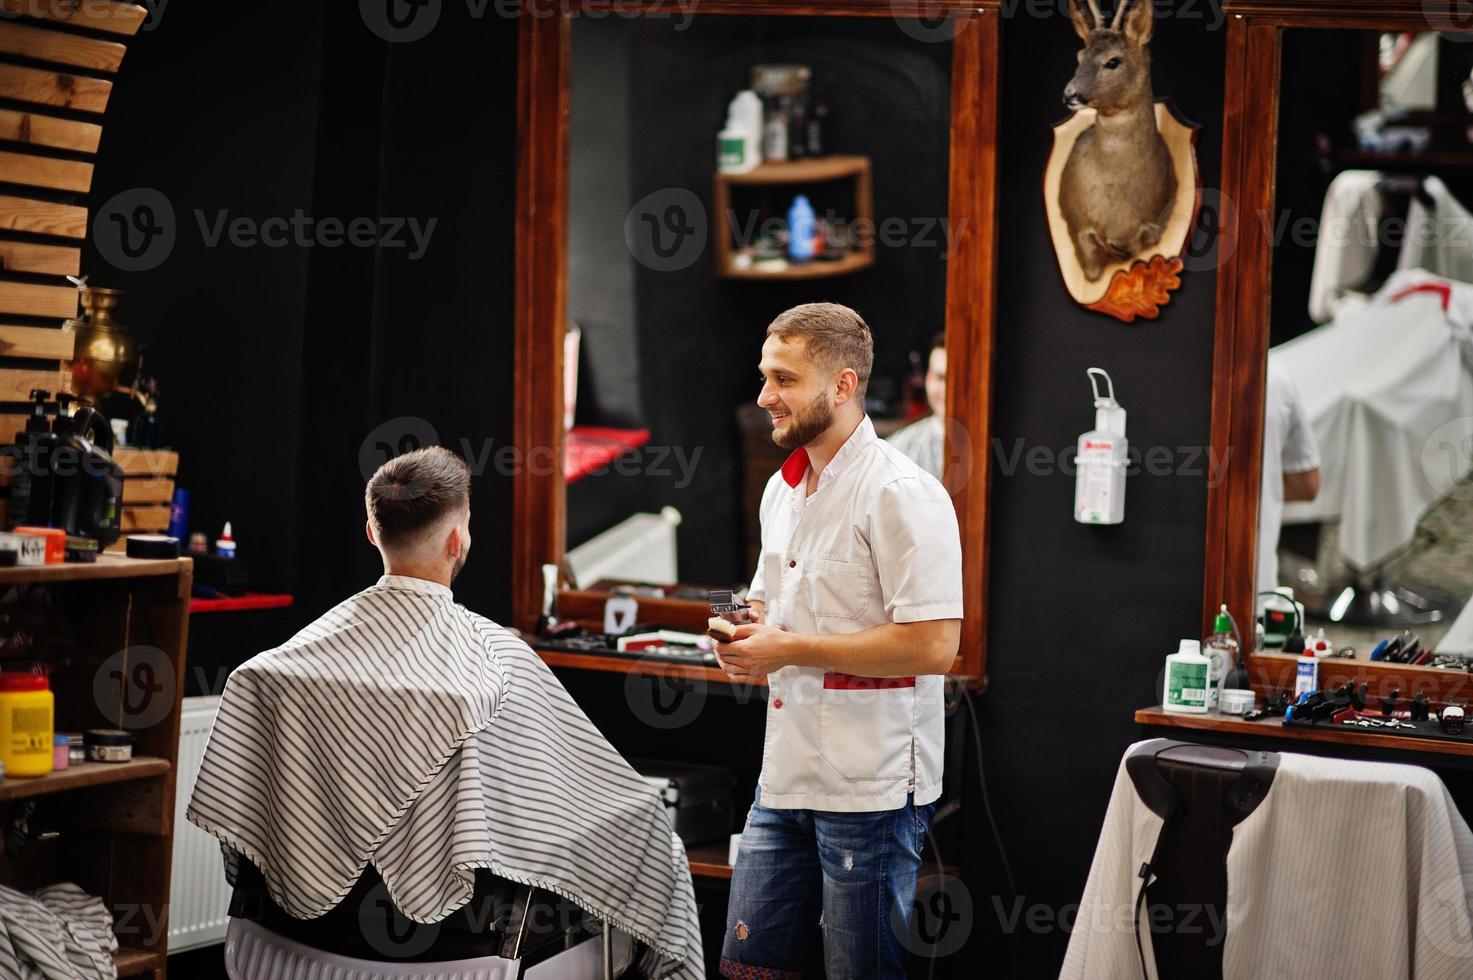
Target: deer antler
1094,9
1120,9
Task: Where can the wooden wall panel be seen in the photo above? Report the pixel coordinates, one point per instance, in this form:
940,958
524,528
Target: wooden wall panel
51,260
40,130
42,217
110,16
54,88
48,172
46,343
40,44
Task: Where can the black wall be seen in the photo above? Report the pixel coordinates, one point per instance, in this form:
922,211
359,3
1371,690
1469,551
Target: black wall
1081,617
286,370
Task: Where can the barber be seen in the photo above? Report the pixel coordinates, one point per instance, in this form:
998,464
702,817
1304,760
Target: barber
858,602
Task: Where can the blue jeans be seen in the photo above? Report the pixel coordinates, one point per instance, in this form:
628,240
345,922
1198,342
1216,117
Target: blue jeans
851,874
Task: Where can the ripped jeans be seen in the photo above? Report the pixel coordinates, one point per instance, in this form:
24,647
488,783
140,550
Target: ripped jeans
851,874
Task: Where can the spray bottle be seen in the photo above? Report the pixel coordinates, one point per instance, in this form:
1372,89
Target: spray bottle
1099,479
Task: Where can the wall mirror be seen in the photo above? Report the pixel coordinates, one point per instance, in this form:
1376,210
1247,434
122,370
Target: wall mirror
1353,339
648,273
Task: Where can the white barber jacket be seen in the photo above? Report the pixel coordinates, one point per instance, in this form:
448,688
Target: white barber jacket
1344,870
876,543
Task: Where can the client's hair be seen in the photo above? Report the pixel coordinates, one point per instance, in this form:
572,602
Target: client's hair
412,493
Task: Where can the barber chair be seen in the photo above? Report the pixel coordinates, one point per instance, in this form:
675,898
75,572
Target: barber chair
507,931
1201,793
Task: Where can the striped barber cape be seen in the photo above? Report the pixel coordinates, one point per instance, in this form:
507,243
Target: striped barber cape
56,933
404,730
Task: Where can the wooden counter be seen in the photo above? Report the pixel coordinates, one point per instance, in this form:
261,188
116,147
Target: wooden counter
1275,728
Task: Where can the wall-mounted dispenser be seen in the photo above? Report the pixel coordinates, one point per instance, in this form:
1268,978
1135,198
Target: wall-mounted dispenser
1099,478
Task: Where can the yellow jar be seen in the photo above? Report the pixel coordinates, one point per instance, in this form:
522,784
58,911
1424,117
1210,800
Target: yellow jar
27,724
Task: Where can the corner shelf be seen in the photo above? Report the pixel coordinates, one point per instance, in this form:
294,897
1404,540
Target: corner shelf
808,171
853,262
814,170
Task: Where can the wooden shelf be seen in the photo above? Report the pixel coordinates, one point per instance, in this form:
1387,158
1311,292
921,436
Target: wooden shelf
848,265
808,171
106,567
81,776
132,962
709,860
1275,728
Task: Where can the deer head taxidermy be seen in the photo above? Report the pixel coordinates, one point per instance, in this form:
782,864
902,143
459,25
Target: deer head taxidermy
1118,185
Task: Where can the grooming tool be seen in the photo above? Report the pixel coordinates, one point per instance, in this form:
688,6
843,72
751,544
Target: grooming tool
1388,705
1452,719
727,610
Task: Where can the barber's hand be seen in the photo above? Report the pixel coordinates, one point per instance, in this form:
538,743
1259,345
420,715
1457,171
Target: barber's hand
757,651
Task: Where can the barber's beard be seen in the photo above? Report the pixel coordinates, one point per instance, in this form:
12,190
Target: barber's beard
806,424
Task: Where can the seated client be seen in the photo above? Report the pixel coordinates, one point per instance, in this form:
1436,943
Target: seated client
404,741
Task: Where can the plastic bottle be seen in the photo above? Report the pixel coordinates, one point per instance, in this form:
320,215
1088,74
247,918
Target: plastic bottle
1187,679
800,229
1222,650
1099,478
739,145
27,732
1320,646
1306,674
775,131
1280,618
225,544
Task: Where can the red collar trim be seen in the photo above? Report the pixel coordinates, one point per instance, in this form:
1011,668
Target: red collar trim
1442,289
795,466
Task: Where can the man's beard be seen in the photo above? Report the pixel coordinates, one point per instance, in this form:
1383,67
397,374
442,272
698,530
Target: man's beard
459,564
806,424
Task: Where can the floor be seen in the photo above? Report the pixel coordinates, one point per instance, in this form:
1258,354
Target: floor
1441,556
206,963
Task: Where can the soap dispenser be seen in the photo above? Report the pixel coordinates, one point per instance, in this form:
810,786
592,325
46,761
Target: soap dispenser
1099,477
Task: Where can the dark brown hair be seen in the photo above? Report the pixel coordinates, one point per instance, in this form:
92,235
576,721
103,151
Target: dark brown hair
833,334
411,493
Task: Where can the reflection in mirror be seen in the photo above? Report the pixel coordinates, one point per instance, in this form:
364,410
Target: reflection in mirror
1366,508
684,199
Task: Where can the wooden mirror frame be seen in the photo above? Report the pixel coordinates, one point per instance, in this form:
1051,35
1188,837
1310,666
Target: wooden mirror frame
1250,124
539,502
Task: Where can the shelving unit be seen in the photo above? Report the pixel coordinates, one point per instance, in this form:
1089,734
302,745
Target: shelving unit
796,174
125,623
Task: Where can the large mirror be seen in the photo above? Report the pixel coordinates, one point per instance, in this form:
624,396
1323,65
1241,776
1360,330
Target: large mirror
686,238
1366,502
682,181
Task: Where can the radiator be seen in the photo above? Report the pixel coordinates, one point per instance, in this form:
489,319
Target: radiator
198,893
638,549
